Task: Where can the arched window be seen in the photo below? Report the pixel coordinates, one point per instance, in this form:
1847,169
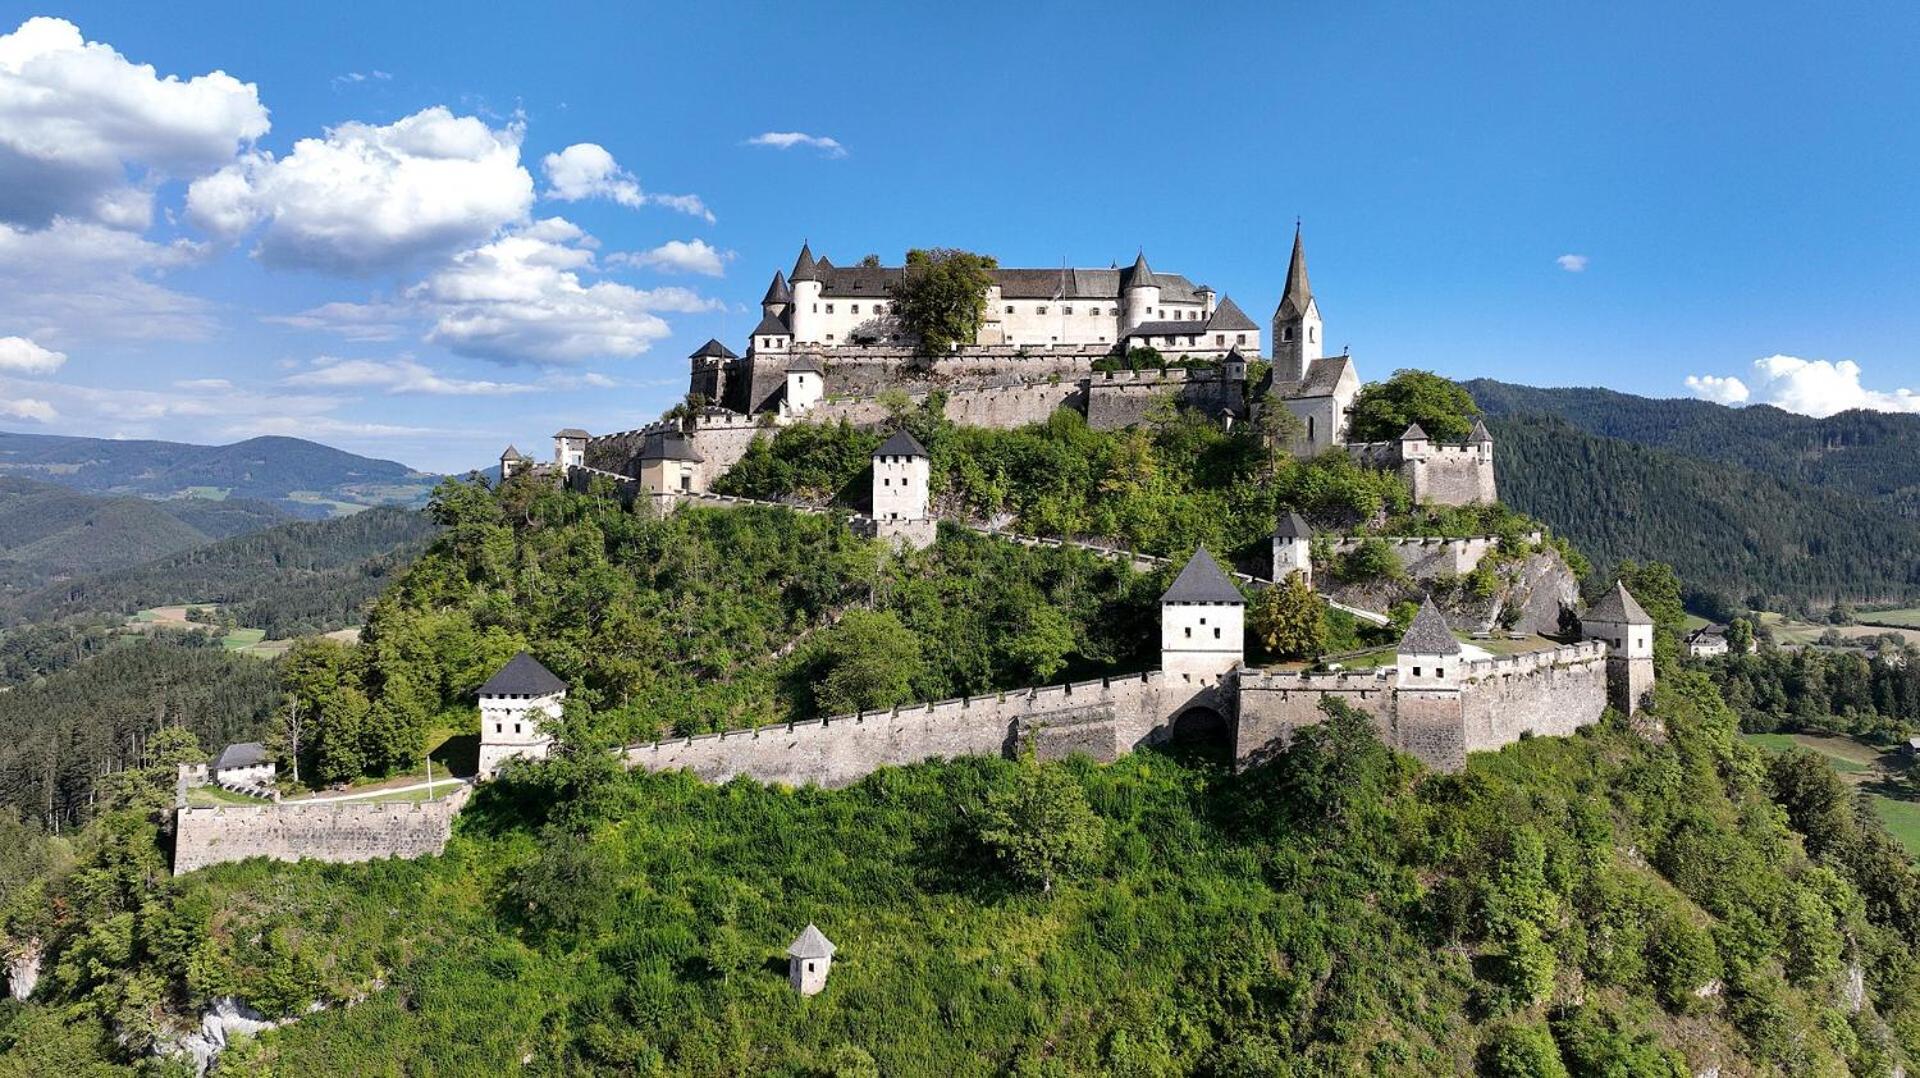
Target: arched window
1311,334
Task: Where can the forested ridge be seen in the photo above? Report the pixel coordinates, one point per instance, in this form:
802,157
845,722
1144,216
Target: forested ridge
1761,541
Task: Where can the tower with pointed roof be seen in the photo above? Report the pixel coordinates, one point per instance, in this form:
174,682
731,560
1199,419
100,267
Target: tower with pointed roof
806,384
512,463
809,960
1292,547
1141,292
1297,330
805,283
902,474
516,704
1429,657
1627,629
1203,619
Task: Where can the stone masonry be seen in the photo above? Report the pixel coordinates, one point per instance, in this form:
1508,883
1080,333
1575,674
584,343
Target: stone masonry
313,831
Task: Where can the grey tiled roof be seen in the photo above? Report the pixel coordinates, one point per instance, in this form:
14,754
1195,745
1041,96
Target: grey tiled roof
1429,635
1140,275
241,754
1202,581
1323,377
1619,606
513,454
1414,434
778,292
1292,527
806,364
522,676
901,444
1168,329
669,445
1479,434
1104,285
571,432
804,268
1298,293
714,348
1228,315
812,943
771,326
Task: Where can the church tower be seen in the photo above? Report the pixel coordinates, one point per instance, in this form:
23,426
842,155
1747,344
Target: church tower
1296,322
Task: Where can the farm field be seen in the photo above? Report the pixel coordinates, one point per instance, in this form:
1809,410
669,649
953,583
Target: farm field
1788,631
1877,773
1905,618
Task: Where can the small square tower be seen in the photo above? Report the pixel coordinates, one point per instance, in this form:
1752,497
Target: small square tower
806,384
570,448
1429,657
1203,621
809,958
1292,548
1626,627
515,706
669,464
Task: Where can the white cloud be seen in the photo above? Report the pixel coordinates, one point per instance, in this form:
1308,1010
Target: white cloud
376,320
85,133
367,198
1572,263
1815,387
83,279
678,256
403,375
203,384
586,170
28,408
22,356
521,298
787,140
352,78
1728,390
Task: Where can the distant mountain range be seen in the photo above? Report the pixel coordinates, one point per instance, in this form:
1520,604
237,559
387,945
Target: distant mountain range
1755,505
302,478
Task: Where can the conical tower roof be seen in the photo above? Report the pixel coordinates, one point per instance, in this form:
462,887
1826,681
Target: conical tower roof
778,292
804,267
811,943
1141,275
1202,581
1429,633
1479,435
1619,606
1298,293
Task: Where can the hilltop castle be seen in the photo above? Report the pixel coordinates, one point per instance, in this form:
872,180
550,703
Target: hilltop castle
827,347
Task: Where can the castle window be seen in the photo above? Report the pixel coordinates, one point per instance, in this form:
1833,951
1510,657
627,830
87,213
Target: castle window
1189,632
1416,671
1216,634
1286,334
829,308
1219,338
816,308
1439,671
1311,333
856,308
1240,338
1009,308
879,308
1040,308
516,727
1309,428
829,336
1066,310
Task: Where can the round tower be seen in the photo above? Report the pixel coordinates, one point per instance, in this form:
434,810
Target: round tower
805,284
1297,331
1141,290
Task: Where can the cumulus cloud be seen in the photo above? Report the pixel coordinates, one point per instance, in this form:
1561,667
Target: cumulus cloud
376,320
677,256
787,140
21,356
86,133
586,170
522,298
402,375
1572,263
28,408
1815,387
366,198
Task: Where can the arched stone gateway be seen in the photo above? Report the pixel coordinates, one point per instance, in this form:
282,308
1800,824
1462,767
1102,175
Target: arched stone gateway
1201,724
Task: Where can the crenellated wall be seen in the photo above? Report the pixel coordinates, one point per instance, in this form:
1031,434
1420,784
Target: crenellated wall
1439,474
313,831
1117,399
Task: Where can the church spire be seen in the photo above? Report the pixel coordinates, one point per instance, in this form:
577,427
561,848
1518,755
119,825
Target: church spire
1293,302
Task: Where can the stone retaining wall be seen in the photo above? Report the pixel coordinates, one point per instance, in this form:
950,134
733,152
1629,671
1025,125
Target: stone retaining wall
313,831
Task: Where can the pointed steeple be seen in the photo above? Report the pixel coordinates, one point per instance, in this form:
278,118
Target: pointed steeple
804,267
777,292
1141,275
1294,301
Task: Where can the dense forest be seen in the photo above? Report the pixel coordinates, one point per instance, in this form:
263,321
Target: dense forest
1872,454
301,577
1602,904
1820,689
65,733
1752,539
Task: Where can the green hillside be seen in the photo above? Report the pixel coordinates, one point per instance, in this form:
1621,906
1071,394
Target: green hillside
297,475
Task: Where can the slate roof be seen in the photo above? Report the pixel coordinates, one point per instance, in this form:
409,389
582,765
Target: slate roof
1414,434
713,347
1429,635
513,454
571,432
669,445
241,754
1140,275
522,676
1619,606
804,268
1202,581
1323,377
1168,329
771,326
1298,293
1228,315
806,364
778,292
1479,434
1105,285
901,444
1292,527
812,943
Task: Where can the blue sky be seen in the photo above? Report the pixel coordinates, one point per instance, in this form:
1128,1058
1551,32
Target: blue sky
423,231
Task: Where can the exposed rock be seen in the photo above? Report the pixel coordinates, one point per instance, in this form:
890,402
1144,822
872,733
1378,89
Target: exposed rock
226,1019
23,969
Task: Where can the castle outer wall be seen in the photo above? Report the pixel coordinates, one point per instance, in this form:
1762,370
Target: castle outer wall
313,831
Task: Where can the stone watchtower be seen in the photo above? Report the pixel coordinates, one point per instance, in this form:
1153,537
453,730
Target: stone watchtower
711,363
515,706
805,285
513,462
808,960
1628,631
570,448
1203,620
1141,293
901,474
1296,322
1429,657
806,384
1292,548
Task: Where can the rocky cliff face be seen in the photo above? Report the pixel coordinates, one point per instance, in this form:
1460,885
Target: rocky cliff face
1528,594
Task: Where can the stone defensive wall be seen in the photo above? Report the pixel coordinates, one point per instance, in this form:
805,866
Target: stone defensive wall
1117,399
718,435
865,370
1004,406
1103,719
1553,692
313,831
1425,558
1444,474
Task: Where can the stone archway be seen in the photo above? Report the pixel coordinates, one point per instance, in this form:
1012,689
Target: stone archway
1202,733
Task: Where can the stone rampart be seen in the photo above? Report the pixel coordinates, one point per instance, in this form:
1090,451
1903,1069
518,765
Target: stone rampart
720,437
1117,399
1544,693
1439,474
313,831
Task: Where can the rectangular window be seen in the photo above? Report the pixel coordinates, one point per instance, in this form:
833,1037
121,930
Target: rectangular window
1009,308
1216,634
1189,632
829,308
1066,310
1416,671
1439,671
1219,338
1040,309
1240,339
516,727
856,308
